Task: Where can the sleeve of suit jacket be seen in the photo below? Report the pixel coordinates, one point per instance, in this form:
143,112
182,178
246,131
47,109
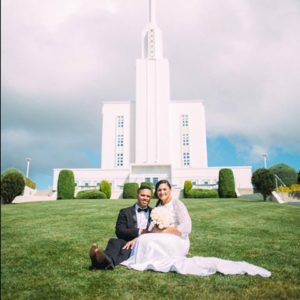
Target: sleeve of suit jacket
125,227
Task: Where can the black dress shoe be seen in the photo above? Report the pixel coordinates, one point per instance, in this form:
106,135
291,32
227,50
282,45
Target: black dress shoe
102,261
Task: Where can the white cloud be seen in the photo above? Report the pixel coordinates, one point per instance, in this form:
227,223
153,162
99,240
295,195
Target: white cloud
60,59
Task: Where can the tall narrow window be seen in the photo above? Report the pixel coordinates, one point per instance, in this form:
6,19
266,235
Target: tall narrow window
120,140
186,158
119,159
185,139
185,120
120,121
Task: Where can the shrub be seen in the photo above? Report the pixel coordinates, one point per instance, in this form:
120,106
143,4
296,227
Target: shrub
201,193
286,173
12,185
30,183
148,184
105,188
91,194
286,189
295,187
283,189
65,185
130,190
263,181
226,188
11,170
187,187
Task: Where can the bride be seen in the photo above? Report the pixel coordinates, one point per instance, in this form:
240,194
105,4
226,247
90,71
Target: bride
164,249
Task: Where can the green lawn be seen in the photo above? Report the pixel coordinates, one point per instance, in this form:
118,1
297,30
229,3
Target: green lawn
44,252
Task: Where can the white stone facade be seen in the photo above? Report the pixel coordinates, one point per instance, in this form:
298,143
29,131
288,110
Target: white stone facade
154,138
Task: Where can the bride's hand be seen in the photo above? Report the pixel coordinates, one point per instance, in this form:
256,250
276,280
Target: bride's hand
172,230
130,244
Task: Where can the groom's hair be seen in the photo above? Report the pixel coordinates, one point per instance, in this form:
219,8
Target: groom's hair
144,188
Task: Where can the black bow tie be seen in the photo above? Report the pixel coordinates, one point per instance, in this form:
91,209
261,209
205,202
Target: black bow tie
142,209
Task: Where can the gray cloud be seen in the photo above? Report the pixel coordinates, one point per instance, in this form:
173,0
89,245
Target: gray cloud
60,59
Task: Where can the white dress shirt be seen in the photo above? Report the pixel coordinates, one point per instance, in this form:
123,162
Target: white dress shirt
141,218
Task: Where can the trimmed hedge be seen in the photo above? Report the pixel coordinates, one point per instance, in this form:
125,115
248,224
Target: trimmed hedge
30,183
65,185
201,193
130,190
91,194
226,188
188,185
12,185
105,188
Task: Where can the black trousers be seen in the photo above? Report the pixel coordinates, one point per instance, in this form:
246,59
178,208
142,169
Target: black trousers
115,252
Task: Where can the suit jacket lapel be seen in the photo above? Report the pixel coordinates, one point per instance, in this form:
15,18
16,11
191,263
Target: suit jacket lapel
133,214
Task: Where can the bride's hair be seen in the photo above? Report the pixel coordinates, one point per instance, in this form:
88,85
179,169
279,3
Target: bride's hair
163,181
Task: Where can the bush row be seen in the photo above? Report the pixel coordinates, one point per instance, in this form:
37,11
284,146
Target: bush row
201,193
91,194
66,188
226,187
286,189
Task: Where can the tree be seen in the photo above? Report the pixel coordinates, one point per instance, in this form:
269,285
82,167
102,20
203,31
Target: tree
264,182
12,185
105,188
65,185
298,178
286,173
226,185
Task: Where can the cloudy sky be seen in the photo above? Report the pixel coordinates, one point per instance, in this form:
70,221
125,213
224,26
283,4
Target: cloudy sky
61,58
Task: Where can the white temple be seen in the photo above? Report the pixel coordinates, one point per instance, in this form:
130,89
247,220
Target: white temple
154,138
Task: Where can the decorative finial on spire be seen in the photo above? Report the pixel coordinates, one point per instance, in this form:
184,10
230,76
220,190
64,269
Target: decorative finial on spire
152,11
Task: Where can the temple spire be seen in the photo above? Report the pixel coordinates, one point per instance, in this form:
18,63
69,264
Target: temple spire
152,11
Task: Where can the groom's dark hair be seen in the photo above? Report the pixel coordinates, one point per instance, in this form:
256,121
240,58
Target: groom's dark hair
144,188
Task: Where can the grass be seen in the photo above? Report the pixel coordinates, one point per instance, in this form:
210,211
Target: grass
44,252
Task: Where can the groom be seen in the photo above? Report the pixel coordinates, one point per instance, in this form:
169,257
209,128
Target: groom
132,222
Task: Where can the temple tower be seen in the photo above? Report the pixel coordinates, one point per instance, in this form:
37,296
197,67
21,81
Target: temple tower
152,98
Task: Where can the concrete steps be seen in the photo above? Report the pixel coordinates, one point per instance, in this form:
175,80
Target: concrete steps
37,195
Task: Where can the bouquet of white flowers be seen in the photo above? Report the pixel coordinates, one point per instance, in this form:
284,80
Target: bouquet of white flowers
161,217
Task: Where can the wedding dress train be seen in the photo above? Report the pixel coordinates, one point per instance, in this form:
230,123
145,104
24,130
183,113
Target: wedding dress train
165,252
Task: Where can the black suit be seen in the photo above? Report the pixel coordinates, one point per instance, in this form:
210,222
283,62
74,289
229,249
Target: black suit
126,230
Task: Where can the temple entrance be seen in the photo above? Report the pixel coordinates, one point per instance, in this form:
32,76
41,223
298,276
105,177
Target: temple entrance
150,173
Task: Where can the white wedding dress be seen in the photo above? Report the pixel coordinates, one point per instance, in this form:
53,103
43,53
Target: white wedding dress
164,252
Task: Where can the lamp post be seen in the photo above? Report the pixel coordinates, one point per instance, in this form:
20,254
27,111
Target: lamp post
28,159
265,160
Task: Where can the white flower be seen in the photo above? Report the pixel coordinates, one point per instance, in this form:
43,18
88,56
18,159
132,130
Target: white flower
161,217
